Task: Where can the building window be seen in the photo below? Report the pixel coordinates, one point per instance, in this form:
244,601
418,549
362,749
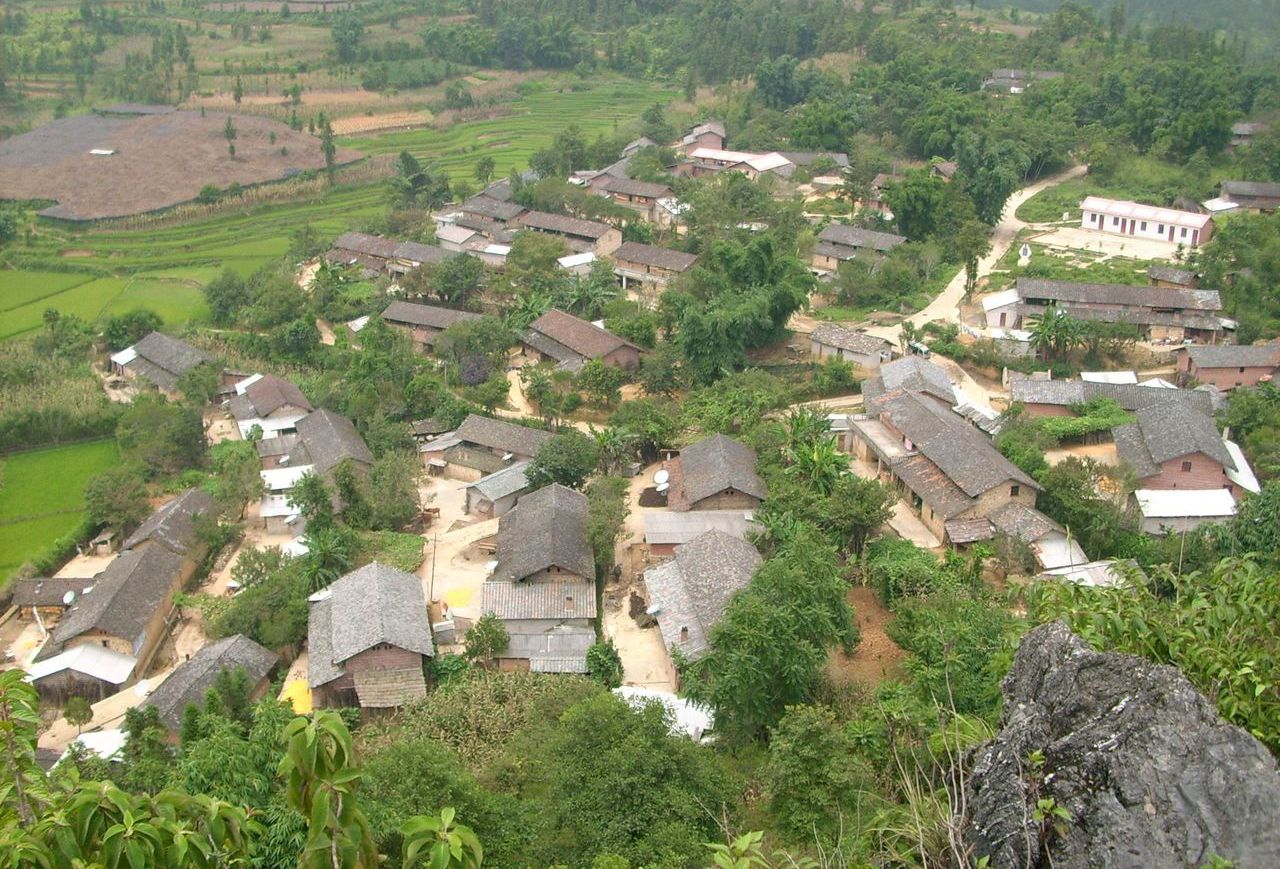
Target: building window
1115,221
1015,490
1143,226
1093,218
1184,232
1242,369
1186,467
1160,228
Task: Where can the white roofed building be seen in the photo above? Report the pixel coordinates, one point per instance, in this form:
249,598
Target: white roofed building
1151,222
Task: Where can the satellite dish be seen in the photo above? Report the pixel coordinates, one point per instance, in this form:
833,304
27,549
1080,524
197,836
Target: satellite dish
662,476
662,487
68,598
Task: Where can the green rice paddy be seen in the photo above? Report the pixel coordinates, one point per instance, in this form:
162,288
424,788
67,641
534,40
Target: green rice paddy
42,496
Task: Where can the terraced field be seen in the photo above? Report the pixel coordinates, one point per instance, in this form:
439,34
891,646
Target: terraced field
112,271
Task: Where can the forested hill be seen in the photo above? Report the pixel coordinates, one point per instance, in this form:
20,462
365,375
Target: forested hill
1254,24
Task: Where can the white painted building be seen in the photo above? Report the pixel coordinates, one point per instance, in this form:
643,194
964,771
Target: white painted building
1151,222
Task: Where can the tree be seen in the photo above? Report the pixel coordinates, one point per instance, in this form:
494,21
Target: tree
458,279
328,556
160,437
916,202
229,133
78,712
327,146
226,295
199,384
237,91
856,508
487,639
971,242
618,447
117,498
484,169
567,458
348,29
601,382
814,774
235,479
393,489
419,186
124,330
442,843
313,501
604,664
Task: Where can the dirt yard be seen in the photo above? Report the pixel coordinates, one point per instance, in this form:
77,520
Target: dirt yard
877,657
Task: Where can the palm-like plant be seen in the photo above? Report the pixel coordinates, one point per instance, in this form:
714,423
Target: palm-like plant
617,447
328,557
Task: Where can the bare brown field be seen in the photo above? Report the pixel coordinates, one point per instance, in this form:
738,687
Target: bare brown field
356,124
159,160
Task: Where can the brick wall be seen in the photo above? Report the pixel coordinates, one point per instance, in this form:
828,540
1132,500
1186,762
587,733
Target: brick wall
728,500
1229,378
1205,473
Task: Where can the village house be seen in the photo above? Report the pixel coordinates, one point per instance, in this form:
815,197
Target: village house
944,169
866,352
323,441
1170,448
1165,511
376,255
709,134
1227,366
543,586
838,243
268,403
368,637
1016,81
1062,397
481,446
422,323
1057,554
689,594
44,597
160,361
456,237
913,374
571,342
1259,197
711,161
173,526
122,619
665,531
716,473
949,470
1172,277
489,208
190,682
495,494
581,235
652,268
875,200
1244,132
640,196
1159,314
577,263
1151,222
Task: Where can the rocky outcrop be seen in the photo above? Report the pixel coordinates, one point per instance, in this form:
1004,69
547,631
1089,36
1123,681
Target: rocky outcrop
1149,773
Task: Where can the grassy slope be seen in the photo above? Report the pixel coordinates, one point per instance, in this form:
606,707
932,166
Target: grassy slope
164,268
42,497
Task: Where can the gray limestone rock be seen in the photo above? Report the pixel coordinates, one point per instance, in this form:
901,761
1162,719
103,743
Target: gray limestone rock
1151,775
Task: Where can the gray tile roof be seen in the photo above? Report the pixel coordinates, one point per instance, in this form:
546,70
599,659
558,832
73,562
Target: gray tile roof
495,209
562,649
500,484
548,528
934,487
362,243
367,607
1169,432
524,601
717,463
1119,294
1252,189
1235,355
630,187
855,237
188,684
499,434
162,359
961,531
662,527
960,451
421,253
1132,450
1128,395
1172,275
912,373
173,525
432,316
124,597
658,257
1025,523
559,223
329,438
46,591
844,338
265,396
692,590
804,158
586,339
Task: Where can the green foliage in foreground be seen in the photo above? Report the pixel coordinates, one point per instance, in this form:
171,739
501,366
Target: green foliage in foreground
1218,627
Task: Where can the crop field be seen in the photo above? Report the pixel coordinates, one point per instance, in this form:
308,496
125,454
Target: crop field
164,268
42,496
